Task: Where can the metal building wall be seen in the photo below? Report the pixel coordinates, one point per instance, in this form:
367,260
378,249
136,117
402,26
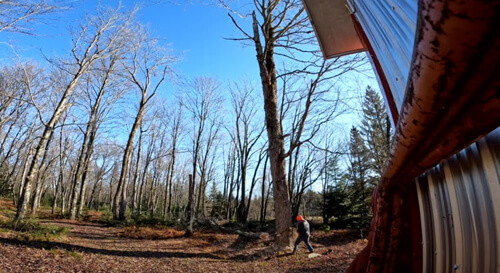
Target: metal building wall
460,210
459,200
390,27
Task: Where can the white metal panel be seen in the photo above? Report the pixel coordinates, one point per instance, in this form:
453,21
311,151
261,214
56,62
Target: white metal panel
460,210
390,28
334,28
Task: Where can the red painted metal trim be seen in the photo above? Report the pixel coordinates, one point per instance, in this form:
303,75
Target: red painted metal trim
452,99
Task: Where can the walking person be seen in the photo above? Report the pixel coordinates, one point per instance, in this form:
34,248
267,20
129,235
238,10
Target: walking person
304,234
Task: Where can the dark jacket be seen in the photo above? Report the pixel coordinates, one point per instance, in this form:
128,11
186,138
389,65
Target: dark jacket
303,229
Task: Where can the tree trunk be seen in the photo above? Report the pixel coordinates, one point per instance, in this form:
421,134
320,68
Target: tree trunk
78,174
275,136
86,161
40,181
263,203
252,186
170,178
24,199
171,181
56,192
276,150
133,205
190,207
119,204
240,212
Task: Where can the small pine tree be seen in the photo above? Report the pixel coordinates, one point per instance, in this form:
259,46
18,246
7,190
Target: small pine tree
360,177
375,130
216,199
338,203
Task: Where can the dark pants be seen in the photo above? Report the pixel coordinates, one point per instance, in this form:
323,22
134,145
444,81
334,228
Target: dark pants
306,241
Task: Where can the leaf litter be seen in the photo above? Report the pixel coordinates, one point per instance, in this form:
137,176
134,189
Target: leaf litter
91,247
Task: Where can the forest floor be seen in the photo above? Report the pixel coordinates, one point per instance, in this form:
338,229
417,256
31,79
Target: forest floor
93,247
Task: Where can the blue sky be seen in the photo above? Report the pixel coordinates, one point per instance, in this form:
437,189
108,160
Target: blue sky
194,31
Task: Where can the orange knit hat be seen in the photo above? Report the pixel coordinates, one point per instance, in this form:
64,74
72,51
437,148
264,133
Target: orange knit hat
299,218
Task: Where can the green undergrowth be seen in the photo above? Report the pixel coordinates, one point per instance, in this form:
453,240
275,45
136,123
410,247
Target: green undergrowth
70,253
30,229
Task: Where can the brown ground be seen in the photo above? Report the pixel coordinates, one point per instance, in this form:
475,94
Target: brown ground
90,247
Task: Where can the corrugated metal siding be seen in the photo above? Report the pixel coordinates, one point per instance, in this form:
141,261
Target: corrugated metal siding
460,210
390,27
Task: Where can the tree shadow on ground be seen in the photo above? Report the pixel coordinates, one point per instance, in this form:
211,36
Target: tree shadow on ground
65,222
335,265
121,253
240,243
92,236
337,238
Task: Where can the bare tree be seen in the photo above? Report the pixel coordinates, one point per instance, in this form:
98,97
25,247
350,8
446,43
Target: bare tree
229,179
190,207
147,162
20,15
264,192
202,102
147,68
246,133
18,122
100,93
307,170
94,42
207,153
102,163
253,183
133,205
175,132
280,28
276,23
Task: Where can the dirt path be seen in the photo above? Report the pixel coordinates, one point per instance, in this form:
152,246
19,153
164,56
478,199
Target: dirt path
91,247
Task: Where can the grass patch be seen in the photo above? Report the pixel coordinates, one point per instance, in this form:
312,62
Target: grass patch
31,230
74,254
62,252
6,213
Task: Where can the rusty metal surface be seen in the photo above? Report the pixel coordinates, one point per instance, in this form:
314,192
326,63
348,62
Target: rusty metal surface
460,210
452,99
442,68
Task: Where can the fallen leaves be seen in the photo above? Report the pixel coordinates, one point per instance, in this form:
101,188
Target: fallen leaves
94,248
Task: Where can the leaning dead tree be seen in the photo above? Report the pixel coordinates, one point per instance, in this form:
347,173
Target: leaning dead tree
280,29
273,24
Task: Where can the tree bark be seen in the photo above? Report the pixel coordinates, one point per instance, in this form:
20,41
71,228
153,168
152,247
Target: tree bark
120,203
190,207
275,136
78,174
133,205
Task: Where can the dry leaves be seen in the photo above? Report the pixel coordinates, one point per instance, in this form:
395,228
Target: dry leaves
93,248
